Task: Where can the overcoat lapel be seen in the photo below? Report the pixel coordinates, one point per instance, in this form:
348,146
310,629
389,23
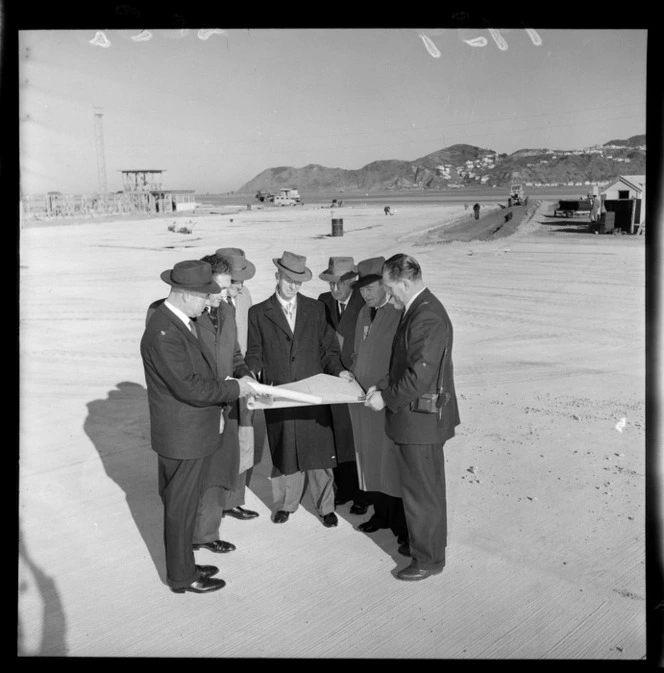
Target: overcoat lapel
275,313
302,318
188,335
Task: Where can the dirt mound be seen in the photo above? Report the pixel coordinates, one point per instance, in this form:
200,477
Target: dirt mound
496,224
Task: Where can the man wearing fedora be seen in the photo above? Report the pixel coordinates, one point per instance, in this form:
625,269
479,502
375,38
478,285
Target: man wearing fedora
376,452
421,411
184,397
290,340
342,305
239,298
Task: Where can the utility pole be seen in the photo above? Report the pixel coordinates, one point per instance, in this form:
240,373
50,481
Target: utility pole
101,160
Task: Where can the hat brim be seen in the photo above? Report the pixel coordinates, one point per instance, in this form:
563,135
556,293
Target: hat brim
248,272
331,278
366,280
294,275
210,288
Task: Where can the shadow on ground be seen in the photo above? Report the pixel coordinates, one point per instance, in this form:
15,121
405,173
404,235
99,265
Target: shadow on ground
119,427
38,602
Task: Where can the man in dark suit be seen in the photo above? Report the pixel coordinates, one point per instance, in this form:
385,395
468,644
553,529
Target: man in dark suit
421,411
184,397
290,340
342,306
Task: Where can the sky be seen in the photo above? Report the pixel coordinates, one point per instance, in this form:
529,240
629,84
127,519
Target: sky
213,108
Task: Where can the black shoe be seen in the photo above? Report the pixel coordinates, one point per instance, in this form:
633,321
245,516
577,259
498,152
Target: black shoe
404,548
240,513
207,571
340,500
202,585
412,574
281,516
330,520
372,525
218,546
359,508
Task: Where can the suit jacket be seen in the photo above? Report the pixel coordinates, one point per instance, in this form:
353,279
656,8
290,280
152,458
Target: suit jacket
344,326
423,339
300,438
222,341
345,330
184,393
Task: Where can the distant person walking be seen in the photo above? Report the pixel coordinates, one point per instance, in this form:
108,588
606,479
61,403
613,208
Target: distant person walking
476,210
388,210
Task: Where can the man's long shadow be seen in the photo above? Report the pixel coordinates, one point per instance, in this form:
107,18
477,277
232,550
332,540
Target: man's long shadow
119,427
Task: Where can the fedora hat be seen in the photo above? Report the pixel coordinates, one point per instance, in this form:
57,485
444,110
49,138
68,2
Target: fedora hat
241,267
293,266
370,270
338,269
193,275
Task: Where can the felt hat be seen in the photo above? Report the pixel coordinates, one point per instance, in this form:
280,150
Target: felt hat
338,269
370,270
293,266
193,275
241,267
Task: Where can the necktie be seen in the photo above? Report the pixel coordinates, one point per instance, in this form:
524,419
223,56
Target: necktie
192,328
214,316
288,309
231,301
341,308
372,313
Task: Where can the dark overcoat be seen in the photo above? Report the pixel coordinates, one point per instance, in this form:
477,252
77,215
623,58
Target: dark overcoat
345,331
300,438
222,341
423,339
184,392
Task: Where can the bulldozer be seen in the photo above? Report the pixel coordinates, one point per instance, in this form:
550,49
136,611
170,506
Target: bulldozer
517,196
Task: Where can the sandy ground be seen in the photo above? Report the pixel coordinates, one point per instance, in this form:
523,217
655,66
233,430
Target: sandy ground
545,476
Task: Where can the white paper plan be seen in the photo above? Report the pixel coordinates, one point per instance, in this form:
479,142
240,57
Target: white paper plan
319,389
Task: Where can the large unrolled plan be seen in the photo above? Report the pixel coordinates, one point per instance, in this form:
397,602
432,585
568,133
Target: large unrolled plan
319,389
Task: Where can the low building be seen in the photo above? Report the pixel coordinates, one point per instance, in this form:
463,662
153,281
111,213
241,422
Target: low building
625,198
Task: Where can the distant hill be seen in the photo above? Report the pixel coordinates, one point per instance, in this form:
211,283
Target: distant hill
463,166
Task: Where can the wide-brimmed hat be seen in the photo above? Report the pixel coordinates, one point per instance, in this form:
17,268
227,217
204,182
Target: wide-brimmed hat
370,270
293,266
241,267
193,275
338,269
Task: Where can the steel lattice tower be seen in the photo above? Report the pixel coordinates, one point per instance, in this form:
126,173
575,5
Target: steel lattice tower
99,141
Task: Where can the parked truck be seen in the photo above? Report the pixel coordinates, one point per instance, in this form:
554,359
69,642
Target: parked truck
517,196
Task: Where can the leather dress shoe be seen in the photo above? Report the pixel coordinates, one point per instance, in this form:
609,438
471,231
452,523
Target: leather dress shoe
330,520
412,574
404,548
218,546
281,516
360,508
207,571
202,585
240,513
371,526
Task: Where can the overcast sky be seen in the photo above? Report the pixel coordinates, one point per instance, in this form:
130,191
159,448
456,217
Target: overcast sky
215,109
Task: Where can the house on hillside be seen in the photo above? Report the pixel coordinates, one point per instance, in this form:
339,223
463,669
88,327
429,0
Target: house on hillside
625,198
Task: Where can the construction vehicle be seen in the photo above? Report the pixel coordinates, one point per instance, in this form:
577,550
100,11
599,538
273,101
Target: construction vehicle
517,196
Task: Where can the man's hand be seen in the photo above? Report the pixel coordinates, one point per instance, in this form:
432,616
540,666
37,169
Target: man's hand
374,399
348,376
245,386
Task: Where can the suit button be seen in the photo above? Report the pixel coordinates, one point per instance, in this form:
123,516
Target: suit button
293,359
